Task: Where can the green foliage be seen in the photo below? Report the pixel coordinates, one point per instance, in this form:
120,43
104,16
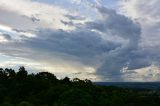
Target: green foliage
75,97
23,103
6,104
44,89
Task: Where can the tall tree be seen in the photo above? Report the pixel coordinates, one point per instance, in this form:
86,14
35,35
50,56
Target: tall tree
22,74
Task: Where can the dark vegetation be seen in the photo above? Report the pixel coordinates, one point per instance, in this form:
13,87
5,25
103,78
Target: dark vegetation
44,89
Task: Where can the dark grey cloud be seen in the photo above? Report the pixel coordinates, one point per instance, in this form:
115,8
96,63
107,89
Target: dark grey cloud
82,44
127,55
74,17
34,18
18,30
6,36
148,16
89,47
69,23
118,25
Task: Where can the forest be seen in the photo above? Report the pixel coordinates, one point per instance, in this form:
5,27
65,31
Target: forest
18,88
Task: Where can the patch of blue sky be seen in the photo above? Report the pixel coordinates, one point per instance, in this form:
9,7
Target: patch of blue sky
63,3
5,32
81,8
110,3
4,58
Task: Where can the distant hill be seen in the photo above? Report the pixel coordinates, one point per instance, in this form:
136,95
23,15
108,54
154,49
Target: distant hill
138,85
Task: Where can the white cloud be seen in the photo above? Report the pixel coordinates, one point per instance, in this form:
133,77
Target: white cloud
146,74
37,14
2,39
147,14
113,47
15,34
82,50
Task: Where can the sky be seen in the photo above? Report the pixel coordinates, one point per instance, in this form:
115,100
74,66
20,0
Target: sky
101,40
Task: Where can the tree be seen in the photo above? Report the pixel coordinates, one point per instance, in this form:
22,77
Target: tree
3,74
22,74
76,80
66,80
1,69
10,73
46,76
76,97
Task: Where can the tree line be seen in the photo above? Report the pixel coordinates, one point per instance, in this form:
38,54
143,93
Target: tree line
18,88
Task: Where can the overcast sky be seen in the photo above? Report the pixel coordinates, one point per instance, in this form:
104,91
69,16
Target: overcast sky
102,40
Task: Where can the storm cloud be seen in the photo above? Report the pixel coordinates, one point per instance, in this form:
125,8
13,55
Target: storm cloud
111,47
